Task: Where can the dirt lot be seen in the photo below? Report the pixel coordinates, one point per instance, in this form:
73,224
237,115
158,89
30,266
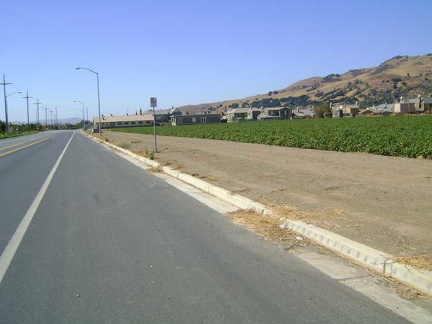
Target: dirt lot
383,202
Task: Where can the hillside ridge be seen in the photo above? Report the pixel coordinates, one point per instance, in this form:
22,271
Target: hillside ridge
400,76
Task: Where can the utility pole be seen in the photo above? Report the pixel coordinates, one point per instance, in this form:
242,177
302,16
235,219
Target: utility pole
56,119
4,84
28,117
46,116
37,103
51,119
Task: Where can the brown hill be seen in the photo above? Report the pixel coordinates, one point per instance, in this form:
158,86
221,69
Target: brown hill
396,77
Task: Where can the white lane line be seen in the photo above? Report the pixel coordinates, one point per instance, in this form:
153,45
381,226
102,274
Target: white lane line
12,247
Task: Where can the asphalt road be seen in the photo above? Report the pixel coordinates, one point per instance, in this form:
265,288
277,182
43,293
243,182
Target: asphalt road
111,243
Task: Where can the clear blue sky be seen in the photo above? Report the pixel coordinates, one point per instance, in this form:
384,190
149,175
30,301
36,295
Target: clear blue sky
192,51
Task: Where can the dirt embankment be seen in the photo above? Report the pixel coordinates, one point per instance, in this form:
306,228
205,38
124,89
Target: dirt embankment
383,202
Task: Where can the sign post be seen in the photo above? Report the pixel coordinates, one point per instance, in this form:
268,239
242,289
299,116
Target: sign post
153,104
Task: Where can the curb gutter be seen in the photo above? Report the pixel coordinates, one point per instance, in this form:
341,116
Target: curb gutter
378,261
381,262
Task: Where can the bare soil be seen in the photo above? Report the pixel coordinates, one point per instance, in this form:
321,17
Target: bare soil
383,202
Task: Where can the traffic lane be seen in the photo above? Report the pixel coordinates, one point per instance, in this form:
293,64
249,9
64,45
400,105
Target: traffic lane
15,143
110,243
19,139
22,174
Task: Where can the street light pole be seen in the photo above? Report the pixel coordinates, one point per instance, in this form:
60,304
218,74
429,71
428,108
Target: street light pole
97,78
82,113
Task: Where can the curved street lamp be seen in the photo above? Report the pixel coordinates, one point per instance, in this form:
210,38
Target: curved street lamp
97,78
10,94
82,113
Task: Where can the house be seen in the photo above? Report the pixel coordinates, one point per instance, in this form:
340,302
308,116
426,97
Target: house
383,109
240,114
243,114
416,105
122,121
343,109
177,120
366,112
424,104
163,115
303,112
275,113
405,106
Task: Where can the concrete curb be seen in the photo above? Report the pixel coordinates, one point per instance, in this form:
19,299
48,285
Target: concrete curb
225,195
381,262
373,259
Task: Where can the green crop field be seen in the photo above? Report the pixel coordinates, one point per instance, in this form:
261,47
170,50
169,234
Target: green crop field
406,136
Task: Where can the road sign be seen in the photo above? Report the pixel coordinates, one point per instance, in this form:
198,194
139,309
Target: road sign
153,102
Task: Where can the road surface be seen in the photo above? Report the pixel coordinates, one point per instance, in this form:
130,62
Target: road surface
110,243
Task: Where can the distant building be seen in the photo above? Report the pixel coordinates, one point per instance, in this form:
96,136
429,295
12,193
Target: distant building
178,120
163,115
240,114
383,109
344,110
122,121
303,112
275,113
405,106
249,114
424,103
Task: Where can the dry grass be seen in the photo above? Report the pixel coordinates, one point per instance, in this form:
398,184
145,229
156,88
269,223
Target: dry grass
123,145
155,169
327,219
405,291
138,152
211,179
416,260
267,227
334,218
